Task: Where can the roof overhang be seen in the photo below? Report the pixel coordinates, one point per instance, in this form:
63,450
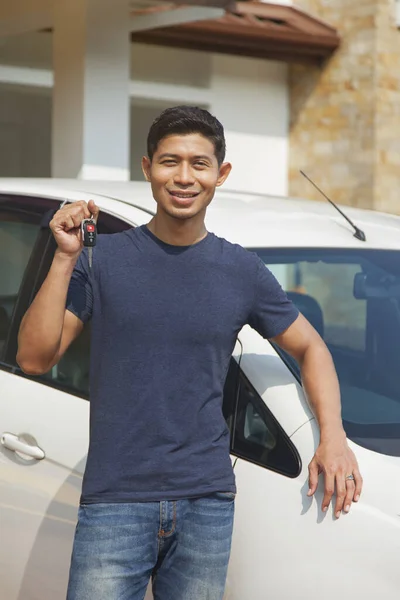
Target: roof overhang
254,29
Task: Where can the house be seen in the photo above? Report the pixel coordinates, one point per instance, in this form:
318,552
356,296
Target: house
81,81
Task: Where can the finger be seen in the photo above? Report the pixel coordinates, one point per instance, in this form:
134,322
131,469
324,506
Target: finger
68,223
61,222
79,208
350,490
93,209
328,491
358,484
78,211
77,218
312,477
340,493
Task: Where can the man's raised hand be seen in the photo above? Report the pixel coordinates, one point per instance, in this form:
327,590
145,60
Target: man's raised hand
66,224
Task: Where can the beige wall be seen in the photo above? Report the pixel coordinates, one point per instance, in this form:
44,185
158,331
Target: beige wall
345,115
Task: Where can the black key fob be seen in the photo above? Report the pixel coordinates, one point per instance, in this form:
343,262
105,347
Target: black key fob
89,232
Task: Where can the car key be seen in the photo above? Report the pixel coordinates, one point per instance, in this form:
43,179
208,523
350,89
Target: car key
89,235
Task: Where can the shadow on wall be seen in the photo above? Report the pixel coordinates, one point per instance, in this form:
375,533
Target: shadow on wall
303,80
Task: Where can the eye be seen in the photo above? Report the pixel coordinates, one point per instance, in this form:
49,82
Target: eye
200,163
169,162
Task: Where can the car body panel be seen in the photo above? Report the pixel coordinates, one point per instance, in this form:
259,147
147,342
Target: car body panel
39,498
311,554
249,220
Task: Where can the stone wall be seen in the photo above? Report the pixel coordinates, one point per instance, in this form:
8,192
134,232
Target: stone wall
345,114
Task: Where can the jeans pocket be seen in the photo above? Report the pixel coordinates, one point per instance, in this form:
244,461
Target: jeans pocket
79,517
225,495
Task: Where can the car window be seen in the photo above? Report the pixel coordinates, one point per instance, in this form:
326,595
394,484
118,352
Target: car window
352,298
18,233
331,286
256,435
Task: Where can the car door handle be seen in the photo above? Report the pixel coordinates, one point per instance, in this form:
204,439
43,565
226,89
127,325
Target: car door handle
16,444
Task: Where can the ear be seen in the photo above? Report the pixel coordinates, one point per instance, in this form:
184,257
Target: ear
146,166
224,171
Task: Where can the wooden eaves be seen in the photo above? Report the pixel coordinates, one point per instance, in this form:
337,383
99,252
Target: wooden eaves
253,29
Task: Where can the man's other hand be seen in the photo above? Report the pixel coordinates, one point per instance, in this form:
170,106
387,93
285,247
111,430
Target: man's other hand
339,466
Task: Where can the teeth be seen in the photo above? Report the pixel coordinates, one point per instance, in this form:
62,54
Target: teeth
184,195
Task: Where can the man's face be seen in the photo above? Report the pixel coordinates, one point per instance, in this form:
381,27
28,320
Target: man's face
183,174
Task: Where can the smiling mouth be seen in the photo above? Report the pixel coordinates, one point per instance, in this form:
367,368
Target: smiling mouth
183,195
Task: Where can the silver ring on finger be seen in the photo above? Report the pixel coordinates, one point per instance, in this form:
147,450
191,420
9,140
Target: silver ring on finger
350,477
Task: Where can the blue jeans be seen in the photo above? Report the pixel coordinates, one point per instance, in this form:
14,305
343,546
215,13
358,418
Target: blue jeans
183,546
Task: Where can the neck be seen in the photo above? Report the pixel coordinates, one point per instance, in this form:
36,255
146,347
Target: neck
178,232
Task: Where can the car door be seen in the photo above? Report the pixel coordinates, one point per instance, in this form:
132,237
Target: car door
43,420
20,238
267,466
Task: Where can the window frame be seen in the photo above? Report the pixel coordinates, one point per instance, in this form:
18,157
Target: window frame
268,418
8,356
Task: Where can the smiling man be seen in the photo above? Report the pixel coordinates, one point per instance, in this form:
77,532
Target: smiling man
167,301
185,164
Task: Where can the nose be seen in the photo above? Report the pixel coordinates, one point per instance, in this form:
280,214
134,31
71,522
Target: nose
184,175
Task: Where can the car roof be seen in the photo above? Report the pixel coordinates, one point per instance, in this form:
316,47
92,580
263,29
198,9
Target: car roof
252,220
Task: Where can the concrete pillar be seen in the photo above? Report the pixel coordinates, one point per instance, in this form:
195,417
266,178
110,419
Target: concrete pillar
91,53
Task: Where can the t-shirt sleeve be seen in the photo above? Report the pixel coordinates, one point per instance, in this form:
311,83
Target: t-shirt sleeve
80,293
272,312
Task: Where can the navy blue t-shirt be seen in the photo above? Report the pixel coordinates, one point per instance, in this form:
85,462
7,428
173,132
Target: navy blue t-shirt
164,325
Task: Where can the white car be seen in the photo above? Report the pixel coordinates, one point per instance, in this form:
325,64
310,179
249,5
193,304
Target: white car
284,547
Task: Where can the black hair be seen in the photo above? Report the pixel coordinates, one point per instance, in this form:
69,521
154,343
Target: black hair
183,120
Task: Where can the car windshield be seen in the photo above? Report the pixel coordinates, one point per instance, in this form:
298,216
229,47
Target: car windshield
352,298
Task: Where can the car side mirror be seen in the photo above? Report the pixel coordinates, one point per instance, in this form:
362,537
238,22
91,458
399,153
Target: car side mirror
368,286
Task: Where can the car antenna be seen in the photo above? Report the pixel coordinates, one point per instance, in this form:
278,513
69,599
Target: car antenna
358,233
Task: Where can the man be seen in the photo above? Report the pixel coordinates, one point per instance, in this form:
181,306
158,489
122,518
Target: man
167,301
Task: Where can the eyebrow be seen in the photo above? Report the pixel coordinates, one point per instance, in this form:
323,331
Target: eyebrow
169,155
